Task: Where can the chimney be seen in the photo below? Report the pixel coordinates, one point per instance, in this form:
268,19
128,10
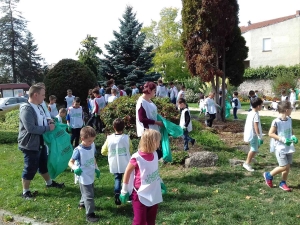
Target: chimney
297,13
249,23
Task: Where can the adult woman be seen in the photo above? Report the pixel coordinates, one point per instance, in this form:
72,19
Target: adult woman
146,110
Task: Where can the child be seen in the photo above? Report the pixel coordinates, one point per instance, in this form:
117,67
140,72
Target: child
161,90
84,165
274,105
173,92
251,96
135,90
211,110
185,123
113,96
99,104
281,131
146,187
75,120
61,114
293,99
107,94
52,106
201,104
253,132
117,147
69,99
121,90
181,93
236,104
284,97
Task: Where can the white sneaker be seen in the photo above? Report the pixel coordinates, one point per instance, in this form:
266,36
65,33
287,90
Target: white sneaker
248,167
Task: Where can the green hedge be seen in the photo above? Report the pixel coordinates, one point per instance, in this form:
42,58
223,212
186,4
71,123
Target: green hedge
269,72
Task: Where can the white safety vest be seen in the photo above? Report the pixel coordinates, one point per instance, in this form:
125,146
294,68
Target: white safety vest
76,120
249,127
118,152
284,129
161,91
69,100
182,120
87,164
210,106
149,192
54,111
151,112
100,102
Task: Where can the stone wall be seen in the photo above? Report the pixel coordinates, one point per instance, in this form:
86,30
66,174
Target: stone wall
263,86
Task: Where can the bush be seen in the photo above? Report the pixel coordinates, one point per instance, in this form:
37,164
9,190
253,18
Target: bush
191,97
69,74
283,82
193,83
124,107
8,137
269,72
179,157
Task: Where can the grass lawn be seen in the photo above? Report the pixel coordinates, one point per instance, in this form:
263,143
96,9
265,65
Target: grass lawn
216,195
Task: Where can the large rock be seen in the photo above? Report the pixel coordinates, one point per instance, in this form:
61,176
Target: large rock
201,159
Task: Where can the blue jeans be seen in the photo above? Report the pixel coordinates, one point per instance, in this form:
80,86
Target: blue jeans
186,139
34,161
235,112
118,180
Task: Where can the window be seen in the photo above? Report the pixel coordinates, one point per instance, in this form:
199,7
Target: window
11,101
267,45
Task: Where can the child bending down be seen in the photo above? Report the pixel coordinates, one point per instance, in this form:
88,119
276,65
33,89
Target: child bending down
146,186
281,131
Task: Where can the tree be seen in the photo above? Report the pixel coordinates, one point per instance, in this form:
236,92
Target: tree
209,30
12,28
127,59
88,54
29,63
69,74
165,36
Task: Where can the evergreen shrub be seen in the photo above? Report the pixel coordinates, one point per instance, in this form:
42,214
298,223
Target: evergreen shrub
69,74
269,72
283,82
124,107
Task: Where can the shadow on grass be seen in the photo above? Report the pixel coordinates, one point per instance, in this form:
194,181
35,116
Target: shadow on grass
207,179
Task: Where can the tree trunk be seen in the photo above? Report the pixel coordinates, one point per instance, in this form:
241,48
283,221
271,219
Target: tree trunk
223,86
218,116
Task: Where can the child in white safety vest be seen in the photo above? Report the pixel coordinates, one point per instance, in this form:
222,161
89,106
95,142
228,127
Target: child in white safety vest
282,142
142,179
84,165
75,120
253,132
117,147
185,123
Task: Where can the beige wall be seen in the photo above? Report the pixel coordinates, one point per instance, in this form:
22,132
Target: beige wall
285,39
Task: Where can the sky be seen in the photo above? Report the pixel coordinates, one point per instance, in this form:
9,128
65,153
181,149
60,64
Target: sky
59,26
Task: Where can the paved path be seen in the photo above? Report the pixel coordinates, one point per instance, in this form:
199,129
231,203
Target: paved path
18,219
294,115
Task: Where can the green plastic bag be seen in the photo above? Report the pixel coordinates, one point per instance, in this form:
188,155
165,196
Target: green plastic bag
169,128
227,109
60,149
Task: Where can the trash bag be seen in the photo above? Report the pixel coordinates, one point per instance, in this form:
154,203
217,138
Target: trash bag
169,128
60,149
227,109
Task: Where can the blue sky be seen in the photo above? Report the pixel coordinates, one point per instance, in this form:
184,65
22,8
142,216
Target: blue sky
58,26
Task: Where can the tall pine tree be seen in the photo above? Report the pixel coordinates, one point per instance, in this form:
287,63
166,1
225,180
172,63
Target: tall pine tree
29,63
12,28
127,60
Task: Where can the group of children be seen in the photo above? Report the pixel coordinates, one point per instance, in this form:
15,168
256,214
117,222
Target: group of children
282,140
141,179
